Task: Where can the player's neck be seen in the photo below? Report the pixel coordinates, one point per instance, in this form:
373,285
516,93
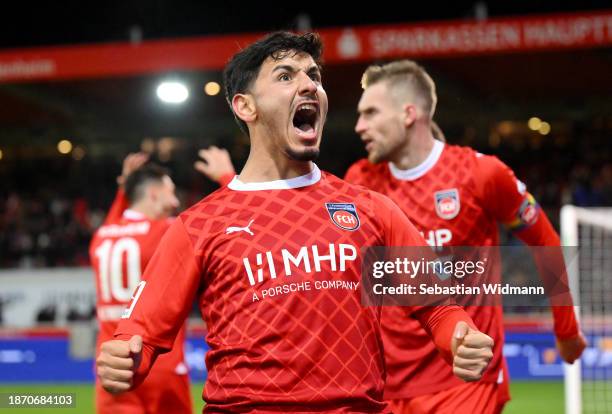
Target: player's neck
262,167
415,152
145,209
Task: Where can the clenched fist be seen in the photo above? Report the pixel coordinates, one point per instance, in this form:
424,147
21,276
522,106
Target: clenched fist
117,362
570,349
472,352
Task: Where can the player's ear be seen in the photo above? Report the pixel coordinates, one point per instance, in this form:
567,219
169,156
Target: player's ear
244,107
410,114
152,193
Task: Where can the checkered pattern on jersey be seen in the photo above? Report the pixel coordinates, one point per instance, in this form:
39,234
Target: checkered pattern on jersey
456,168
310,347
424,369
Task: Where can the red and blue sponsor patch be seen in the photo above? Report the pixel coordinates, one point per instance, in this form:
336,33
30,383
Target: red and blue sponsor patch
447,203
343,215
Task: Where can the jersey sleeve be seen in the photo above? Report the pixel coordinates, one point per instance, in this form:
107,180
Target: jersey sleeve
164,298
508,200
552,270
438,321
502,194
399,231
120,204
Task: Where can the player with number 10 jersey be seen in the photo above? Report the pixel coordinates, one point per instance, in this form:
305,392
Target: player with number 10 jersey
120,250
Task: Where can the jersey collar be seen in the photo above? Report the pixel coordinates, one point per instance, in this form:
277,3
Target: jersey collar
421,169
311,178
133,215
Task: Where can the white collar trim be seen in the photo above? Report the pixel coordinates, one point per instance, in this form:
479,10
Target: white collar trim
421,169
311,178
133,215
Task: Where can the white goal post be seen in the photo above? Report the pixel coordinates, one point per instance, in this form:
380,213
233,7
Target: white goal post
588,382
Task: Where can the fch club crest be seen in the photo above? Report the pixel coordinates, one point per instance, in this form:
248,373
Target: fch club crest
447,203
343,215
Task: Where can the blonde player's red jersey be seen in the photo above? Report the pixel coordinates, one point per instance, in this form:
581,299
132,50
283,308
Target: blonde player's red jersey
119,252
456,197
275,268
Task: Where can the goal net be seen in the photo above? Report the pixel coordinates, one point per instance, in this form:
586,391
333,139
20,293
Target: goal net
588,383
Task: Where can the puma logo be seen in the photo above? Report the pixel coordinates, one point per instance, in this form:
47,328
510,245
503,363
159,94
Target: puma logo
234,229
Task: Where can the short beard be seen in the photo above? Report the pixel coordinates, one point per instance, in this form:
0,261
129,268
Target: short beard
377,157
308,154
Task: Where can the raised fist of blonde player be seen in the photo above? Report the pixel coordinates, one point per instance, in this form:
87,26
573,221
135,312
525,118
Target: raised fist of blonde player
570,349
117,362
472,352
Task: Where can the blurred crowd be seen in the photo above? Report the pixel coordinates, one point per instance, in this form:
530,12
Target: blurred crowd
50,209
40,232
557,176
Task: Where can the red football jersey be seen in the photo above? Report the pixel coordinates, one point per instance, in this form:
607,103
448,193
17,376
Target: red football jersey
119,251
456,197
275,268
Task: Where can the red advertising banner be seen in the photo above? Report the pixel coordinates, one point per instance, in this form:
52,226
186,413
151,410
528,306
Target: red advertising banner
342,45
563,31
119,59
